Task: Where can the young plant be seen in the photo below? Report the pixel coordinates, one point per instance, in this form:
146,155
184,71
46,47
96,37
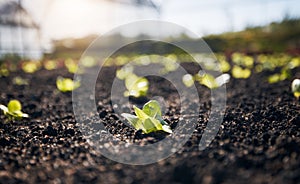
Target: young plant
31,66
13,110
149,119
296,88
240,73
136,86
66,84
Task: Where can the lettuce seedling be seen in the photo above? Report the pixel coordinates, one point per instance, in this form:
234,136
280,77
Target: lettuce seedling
66,84
31,66
149,119
296,88
136,86
240,73
13,110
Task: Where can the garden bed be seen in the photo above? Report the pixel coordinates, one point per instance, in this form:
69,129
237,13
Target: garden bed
258,142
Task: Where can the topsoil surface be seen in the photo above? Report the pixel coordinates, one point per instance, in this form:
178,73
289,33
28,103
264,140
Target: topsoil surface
258,141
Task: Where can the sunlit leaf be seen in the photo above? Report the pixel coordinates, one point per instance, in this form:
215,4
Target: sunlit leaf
14,105
136,86
71,65
274,78
224,66
20,81
13,110
124,72
66,84
149,119
31,66
207,80
50,65
239,72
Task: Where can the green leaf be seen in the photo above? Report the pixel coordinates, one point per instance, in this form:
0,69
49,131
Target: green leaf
136,86
13,110
207,80
140,114
66,84
239,72
14,105
133,120
152,108
124,72
150,125
149,119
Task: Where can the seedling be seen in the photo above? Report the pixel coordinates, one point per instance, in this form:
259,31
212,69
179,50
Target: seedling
20,81
4,70
206,79
283,75
31,66
72,66
13,110
296,88
50,65
149,119
136,86
66,84
238,72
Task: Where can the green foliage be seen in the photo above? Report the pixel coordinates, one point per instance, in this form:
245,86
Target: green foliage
31,66
136,86
20,81
149,119
50,64
71,65
238,72
4,70
66,84
296,88
13,110
207,80
283,75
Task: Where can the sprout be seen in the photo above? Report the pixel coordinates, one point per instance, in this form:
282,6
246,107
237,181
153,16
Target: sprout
238,72
50,65
20,81
71,65
296,88
149,119
136,86
66,84
13,110
207,80
4,70
30,66
283,75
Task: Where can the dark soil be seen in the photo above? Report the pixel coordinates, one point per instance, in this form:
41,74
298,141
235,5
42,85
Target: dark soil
258,142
